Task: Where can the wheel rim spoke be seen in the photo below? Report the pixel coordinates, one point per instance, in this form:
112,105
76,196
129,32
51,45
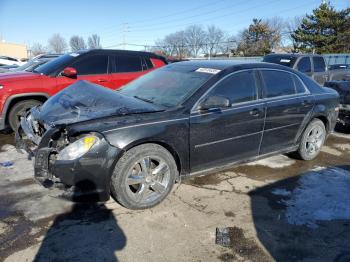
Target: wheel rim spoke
146,164
158,187
135,179
160,169
142,194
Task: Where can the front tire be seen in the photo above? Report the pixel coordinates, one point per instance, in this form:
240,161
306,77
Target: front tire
143,176
18,110
312,140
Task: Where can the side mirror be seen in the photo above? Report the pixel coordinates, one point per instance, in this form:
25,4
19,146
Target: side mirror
69,72
212,102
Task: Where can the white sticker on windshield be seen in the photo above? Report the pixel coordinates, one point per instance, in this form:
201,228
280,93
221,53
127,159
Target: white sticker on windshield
74,54
285,60
208,70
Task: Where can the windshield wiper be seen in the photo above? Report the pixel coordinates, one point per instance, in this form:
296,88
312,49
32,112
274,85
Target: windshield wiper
145,99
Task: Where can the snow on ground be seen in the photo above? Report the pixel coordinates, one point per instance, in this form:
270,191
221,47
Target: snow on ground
322,195
278,161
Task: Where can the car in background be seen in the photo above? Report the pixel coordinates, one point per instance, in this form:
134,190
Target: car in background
187,118
20,91
343,88
313,66
7,60
31,64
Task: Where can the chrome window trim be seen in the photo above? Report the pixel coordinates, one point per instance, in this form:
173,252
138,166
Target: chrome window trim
260,100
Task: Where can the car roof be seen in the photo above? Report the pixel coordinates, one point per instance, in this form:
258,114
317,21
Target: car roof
291,55
117,51
229,64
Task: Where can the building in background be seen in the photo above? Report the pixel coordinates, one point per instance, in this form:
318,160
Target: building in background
14,50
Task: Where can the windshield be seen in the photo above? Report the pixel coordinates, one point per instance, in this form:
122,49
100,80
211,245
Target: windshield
54,64
167,86
25,66
281,60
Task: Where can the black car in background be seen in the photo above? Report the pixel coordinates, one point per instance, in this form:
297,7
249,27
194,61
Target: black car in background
184,119
343,88
313,66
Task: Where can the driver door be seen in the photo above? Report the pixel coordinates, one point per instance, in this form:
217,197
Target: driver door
222,135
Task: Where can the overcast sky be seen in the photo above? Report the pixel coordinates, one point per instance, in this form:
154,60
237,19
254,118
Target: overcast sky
139,22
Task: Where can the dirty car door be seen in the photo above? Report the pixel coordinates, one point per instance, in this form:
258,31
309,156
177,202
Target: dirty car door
223,135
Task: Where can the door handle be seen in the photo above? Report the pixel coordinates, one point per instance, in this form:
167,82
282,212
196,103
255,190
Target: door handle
254,112
101,80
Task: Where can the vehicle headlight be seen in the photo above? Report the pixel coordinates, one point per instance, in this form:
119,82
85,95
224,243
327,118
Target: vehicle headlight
78,148
1,86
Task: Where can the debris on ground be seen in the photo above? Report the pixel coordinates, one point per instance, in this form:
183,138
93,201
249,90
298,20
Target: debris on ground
6,164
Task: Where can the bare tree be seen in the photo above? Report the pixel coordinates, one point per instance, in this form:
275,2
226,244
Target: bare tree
94,42
77,43
290,26
195,38
37,49
276,26
174,45
214,39
57,44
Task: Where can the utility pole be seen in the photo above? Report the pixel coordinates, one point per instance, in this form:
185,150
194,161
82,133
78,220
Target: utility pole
125,30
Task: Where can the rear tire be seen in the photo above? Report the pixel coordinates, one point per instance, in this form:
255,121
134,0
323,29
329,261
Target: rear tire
312,140
18,110
143,176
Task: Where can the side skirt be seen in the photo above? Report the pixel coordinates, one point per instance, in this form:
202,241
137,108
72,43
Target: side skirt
233,164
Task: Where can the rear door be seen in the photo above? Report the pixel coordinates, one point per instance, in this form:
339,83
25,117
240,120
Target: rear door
225,135
289,103
127,68
320,71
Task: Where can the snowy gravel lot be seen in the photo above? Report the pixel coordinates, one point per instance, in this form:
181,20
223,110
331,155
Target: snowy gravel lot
278,208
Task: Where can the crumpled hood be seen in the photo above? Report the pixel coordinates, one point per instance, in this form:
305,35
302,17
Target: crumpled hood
84,101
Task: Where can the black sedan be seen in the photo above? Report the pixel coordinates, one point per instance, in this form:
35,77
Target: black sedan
185,119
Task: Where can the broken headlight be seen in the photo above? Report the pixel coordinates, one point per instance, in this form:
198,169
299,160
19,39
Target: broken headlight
78,148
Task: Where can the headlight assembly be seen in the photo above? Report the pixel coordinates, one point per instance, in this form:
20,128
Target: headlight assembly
78,148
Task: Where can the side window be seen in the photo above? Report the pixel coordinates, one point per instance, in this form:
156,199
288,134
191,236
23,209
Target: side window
148,63
125,63
319,64
278,83
239,87
304,65
92,65
299,87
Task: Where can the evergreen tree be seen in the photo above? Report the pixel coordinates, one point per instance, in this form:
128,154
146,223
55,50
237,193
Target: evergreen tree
326,30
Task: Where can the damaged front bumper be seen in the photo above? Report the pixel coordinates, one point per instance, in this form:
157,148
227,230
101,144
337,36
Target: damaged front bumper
84,178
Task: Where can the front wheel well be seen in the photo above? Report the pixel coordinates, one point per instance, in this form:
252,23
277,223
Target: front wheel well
20,99
166,146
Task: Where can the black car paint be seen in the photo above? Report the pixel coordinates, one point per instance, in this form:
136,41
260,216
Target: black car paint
199,141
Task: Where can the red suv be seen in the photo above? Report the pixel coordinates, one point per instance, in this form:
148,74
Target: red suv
110,68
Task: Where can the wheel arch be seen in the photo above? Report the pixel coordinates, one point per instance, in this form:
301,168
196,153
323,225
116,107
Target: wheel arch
12,100
162,143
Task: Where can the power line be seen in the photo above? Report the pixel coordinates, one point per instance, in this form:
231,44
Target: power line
181,12
206,44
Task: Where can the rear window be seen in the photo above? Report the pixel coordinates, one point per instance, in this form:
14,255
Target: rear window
278,83
281,60
126,63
